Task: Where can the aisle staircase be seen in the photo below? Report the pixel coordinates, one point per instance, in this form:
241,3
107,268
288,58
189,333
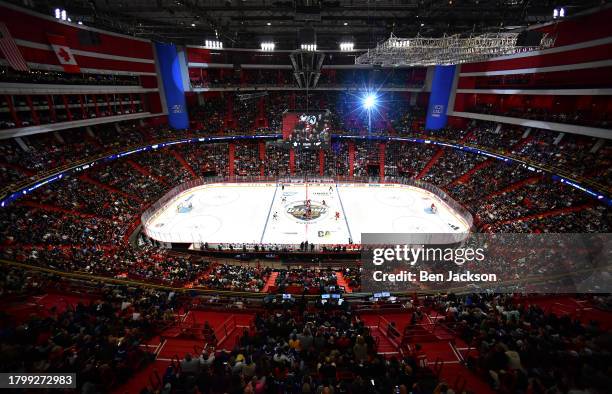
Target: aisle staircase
271,282
54,208
430,163
108,188
439,347
385,345
468,174
545,214
16,167
146,172
184,162
341,280
512,187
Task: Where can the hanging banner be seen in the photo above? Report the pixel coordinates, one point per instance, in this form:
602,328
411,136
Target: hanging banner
63,53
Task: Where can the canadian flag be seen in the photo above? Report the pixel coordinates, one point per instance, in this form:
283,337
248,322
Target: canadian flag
63,53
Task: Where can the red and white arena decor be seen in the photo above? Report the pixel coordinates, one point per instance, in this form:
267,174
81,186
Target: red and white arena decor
45,43
562,79
10,51
63,53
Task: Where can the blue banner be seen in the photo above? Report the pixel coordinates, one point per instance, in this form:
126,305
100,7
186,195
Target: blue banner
170,70
441,86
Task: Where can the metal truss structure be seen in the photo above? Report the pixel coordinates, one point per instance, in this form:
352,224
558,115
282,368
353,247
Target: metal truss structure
307,67
447,50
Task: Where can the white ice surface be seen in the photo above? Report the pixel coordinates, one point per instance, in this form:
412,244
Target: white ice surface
244,213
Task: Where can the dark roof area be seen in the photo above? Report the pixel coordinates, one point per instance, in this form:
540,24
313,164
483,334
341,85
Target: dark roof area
245,23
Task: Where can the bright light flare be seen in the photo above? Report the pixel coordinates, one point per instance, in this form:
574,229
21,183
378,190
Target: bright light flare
369,101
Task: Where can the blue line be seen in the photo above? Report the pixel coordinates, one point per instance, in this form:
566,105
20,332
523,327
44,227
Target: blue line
268,218
344,213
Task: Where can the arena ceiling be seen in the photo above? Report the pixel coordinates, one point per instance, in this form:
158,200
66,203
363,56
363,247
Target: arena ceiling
245,23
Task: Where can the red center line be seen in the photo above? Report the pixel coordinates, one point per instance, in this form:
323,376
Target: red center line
306,227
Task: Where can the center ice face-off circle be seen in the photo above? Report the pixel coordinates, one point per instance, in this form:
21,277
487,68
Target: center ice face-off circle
306,212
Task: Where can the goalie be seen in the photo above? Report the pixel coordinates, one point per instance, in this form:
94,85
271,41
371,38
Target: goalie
184,207
434,209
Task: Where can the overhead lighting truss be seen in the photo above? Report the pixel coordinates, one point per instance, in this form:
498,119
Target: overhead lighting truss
447,50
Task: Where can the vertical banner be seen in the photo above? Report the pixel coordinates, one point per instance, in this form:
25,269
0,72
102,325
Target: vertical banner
11,52
63,53
441,87
172,80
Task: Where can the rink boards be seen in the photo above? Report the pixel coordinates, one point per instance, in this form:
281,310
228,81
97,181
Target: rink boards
278,214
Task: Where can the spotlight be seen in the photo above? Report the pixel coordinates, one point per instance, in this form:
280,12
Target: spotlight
193,25
213,44
369,104
347,46
559,13
369,101
58,13
307,38
64,16
267,46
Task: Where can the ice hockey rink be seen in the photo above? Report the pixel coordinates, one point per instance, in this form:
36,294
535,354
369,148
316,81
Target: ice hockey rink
275,213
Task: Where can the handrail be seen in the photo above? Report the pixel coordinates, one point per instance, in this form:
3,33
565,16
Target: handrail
226,329
383,329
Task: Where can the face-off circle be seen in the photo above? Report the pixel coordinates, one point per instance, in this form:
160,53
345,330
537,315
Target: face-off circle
306,212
